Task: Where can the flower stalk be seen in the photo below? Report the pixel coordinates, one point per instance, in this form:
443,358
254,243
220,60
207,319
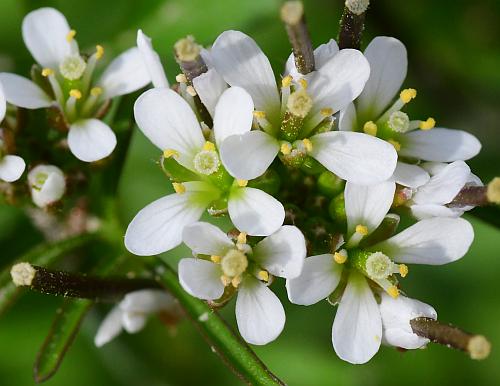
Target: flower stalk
477,346
352,24
292,14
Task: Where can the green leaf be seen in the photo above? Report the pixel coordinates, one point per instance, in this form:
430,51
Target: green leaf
61,334
44,255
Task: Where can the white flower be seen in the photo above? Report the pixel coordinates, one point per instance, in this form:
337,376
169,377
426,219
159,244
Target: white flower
170,123
430,199
132,312
357,329
47,184
396,314
73,87
11,166
259,313
311,101
373,113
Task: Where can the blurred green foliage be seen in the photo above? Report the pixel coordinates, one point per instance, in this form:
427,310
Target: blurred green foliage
454,57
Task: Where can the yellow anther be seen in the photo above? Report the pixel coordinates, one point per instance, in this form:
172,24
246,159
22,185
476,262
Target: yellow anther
493,191
70,36
179,187
286,148
74,93
403,270
259,114
242,238
263,275
393,291
326,112
99,51
362,229
407,95
209,146
303,83
370,128
340,258
167,153
236,281
394,143
428,124
225,280
47,72
307,144
96,91
181,78
216,259
286,81
191,91
242,183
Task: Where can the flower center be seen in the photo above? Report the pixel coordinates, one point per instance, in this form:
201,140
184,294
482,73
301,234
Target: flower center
72,67
234,263
299,103
39,180
399,122
206,162
378,266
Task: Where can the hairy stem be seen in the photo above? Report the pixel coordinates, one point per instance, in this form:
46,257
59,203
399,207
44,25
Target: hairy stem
477,346
470,195
352,24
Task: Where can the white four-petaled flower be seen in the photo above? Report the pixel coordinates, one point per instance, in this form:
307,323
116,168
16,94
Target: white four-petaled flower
47,184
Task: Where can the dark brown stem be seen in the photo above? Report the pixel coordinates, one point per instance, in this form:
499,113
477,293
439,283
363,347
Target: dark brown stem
187,54
351,28
292,14
73,285
470,196
477,346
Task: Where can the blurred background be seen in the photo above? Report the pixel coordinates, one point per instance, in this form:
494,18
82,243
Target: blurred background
454,62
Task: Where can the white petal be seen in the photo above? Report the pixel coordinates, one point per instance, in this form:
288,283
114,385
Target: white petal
3,103
367,205
339,81
248,156
319,278
255,212
168,121
44,33
355,157
11,168
242,63
158,227
110,327
259,313
233,114
444,186
53,187
133,322
283,252
396,315
348,120
357,329
207,239
91,140
322,54
147,301
411,176
209,86
441,145
151,60
22,92
201,278
126,73
388,64
434,210
432,241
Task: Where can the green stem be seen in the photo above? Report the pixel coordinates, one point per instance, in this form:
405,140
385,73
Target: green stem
234,352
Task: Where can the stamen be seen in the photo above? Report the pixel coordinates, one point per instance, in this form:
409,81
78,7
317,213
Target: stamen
96,91
393,291
407,95
359,232
394,143
340,257
326,112
260,116
242,238
428,124
47,72
181,78
99,52
404,97
299,103
399,122
286,81
303,83
263,275
242,183
236,281
286,148
70,36
307,144
179,187
167,153
216,259
362,229
191,91
77,94
370,128
209,146
493,191
403,270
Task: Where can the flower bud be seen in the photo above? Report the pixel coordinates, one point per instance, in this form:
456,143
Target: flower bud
47,184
